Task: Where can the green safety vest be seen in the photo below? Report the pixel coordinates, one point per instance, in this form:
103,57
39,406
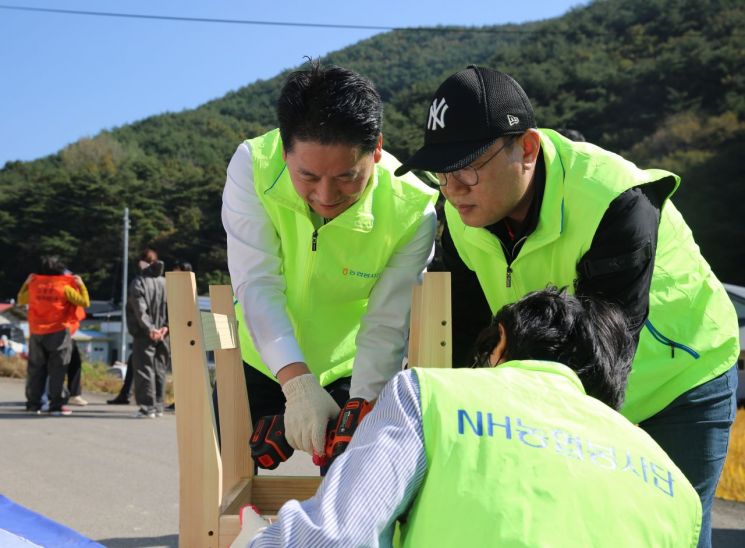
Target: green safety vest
691,335
330,272
519,455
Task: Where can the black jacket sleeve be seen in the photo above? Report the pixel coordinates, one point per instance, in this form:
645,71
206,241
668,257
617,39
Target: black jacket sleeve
619,264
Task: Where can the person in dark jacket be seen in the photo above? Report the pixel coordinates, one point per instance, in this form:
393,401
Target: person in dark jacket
529,207
147,322
147,257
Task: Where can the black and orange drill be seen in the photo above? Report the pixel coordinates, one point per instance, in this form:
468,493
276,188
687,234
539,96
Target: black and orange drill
269,446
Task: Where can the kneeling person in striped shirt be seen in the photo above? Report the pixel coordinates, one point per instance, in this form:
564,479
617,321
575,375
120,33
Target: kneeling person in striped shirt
528,452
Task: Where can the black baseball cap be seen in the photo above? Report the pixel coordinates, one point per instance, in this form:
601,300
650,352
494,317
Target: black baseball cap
469,112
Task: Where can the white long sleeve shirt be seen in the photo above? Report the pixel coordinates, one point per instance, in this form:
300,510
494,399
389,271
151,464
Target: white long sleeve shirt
254,261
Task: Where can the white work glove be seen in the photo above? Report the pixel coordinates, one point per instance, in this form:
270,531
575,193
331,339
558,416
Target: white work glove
307,412
251,525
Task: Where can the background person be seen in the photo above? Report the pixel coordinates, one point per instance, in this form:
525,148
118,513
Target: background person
529,207
528,453
324,246
147,257
147,322
5,347
52,297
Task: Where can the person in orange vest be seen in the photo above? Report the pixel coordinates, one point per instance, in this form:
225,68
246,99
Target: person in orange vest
53,300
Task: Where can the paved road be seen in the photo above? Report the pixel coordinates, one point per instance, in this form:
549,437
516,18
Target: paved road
114,478
111,477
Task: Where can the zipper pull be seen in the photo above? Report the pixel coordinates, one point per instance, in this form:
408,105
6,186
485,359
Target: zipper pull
672,350
314,243
509,276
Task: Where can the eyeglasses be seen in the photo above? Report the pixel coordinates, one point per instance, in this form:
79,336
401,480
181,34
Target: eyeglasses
469,175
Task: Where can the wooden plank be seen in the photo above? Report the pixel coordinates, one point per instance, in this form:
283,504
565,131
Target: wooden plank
238,497
219,331
230,528
200,471
430,334
235,417
269,493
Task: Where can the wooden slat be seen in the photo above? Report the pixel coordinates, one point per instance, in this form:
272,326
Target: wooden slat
269,493
430,335
219,331
230,527
200,488
235,417
237,497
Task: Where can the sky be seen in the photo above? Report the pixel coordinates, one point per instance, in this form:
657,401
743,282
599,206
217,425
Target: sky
64,77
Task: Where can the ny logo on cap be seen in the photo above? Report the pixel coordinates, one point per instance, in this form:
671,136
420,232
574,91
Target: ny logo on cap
437,114
512,120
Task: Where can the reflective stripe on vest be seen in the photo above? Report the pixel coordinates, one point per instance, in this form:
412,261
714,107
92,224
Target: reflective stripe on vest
518,455
329,273
692,334
49,310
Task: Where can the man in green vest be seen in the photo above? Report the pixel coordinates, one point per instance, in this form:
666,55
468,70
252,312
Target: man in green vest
324,246
528,453
528,207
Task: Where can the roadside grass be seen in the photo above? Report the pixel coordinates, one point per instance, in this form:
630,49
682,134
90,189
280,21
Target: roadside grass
732,484
94,377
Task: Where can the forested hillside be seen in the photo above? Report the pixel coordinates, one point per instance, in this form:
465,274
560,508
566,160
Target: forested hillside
660,81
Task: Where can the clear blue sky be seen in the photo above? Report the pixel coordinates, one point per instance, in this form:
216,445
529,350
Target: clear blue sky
65,77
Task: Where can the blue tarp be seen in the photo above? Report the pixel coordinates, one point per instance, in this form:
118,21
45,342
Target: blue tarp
22,528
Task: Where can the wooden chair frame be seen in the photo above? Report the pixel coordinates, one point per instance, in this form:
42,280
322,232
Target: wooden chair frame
217,480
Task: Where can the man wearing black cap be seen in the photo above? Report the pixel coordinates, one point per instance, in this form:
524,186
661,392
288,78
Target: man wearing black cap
528,207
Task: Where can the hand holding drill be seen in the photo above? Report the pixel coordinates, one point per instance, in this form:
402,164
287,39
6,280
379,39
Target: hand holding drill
269,446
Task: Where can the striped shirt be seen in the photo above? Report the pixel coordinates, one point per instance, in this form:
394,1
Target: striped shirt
370,486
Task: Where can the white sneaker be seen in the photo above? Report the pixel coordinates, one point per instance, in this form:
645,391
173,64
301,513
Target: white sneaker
77,400
142,414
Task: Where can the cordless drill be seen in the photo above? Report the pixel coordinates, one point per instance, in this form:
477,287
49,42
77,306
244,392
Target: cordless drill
269,446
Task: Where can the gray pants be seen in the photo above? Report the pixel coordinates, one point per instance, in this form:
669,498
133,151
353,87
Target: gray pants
149,360
48,356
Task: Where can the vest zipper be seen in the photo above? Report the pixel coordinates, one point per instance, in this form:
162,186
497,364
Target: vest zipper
309,269
659,337
509,257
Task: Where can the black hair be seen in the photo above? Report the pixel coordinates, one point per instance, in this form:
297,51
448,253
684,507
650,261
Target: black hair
572,134
149,255
183,266
51,265
329,105
585,334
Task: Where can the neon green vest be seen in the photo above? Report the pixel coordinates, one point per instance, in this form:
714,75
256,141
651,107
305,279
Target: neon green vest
691,335
330,272
518,455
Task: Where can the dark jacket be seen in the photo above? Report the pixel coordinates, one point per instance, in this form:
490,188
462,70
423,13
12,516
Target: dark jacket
146,304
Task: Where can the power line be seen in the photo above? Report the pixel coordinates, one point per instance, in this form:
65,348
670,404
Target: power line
226,21
261,23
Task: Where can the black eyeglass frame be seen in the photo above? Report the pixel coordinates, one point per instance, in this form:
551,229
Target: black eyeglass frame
510,139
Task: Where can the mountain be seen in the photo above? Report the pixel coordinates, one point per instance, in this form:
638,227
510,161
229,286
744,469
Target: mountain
661,82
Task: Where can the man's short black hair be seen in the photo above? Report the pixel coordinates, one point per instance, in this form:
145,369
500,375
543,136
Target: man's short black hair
585,334
329,105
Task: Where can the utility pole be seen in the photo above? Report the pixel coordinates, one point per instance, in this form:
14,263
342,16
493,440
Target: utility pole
125,264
